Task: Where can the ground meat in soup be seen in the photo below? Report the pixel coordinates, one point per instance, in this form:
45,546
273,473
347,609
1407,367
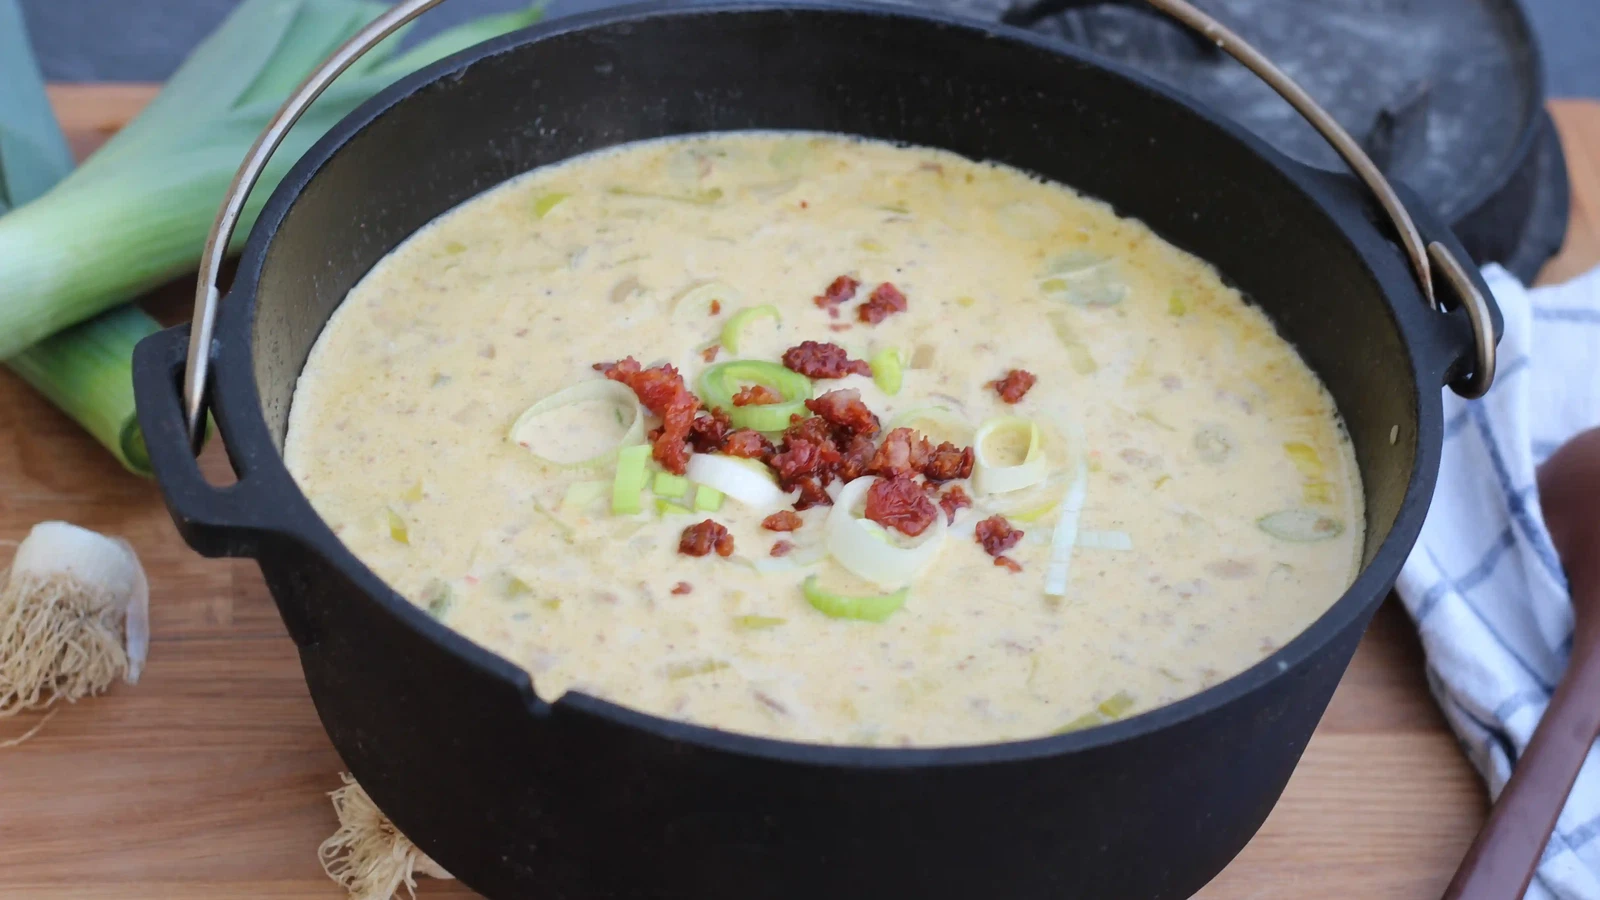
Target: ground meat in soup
925,299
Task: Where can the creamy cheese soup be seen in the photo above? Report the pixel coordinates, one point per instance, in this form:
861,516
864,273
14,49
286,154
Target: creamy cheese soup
1058,471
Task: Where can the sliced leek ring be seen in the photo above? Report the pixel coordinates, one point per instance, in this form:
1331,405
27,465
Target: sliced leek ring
526,432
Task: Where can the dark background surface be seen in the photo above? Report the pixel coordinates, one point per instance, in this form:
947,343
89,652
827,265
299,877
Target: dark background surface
144,40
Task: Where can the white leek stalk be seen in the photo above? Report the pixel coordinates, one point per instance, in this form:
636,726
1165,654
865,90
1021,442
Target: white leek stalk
368,856
74,616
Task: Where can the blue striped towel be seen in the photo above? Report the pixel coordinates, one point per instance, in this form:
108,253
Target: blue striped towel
1484,584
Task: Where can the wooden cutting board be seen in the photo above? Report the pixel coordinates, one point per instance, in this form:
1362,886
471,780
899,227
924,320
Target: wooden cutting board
209,778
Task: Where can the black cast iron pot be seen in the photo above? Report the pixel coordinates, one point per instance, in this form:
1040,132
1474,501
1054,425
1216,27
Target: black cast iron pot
520,797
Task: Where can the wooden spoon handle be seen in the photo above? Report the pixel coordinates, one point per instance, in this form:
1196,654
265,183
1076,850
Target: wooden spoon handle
1502,860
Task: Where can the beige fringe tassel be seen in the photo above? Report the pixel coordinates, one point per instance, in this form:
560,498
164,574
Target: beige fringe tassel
368,856
64,636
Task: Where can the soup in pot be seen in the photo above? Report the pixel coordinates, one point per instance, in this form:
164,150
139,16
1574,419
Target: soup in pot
828,440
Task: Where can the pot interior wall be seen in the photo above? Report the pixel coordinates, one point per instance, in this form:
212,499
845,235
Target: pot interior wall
868,74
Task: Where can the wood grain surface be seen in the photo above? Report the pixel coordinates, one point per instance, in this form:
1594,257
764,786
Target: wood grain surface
209,778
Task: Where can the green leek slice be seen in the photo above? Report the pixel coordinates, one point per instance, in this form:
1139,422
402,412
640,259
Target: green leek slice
668,507
544,203
670,485
757,623
869,608
720,382
527,433
1110,709
627,488
742,320
707,499
886,370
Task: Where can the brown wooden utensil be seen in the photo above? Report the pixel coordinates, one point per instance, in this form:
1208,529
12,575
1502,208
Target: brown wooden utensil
1502,860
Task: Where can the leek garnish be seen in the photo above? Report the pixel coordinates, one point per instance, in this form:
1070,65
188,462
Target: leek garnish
1065,536
870,608
745,480
1175,305
138,211
742,320
669,485
527,432
886,372
1305,458
1110,709
757,623
989,475
85,371
627,488
1077,351
397,528
667,507
869,552
707,498
720,382
1300,526
544,203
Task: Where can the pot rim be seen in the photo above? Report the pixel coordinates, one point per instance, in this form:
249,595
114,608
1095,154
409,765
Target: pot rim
237,407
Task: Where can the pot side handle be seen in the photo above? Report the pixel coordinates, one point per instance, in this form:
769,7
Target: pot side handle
216,521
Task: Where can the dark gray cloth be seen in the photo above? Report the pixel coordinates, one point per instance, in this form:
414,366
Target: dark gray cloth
144,40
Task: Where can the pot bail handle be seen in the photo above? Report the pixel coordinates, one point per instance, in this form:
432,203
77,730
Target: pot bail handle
197,371
1459,285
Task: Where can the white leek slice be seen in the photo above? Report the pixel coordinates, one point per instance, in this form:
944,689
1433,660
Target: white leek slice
744,480
886,563
1066,534
938,423
527,433
989,477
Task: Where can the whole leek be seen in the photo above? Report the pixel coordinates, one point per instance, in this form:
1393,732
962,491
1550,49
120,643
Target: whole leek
137,212
85,370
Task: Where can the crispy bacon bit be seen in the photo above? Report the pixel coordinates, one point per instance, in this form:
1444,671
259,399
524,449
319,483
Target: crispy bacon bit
813,491
839,291
716,307
782,548
953,499
903,453
856,458
844,410
800,458
813,429
701,538
997,536
748,444
885,301
708,433
1015,383
662,391
818,360
682,587
710,353
756,395
782,520
948,462
900,503
1008,563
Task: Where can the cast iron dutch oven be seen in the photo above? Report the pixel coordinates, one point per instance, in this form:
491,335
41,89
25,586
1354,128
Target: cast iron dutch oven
578,798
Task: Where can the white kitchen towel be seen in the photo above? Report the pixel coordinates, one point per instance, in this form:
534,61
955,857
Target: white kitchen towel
1484,584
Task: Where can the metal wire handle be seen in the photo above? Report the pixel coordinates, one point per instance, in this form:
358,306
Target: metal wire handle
198,370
